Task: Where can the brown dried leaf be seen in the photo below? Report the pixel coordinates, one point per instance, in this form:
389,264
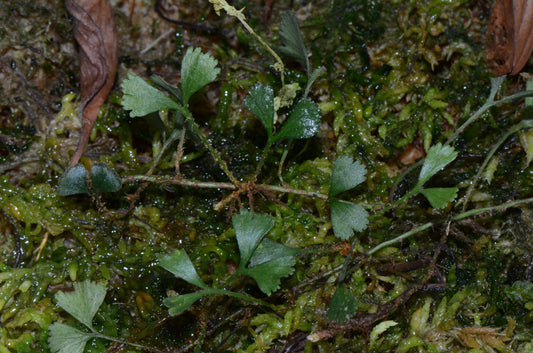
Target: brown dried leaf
510,36
523,14
96,34
500,38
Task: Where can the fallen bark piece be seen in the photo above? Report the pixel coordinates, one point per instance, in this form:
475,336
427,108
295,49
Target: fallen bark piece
96,34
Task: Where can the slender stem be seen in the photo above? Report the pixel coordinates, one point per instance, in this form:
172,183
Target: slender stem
245,297
173,137
281,162
488,104
208,145
264,155
512,130
500,207
470,120
522,94
220,185
179,152
97,334
476,211
180,182
405,197
230,10
267,47
289,190
400,238
344,270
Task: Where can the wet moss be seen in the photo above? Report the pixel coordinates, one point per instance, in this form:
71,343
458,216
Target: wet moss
399,75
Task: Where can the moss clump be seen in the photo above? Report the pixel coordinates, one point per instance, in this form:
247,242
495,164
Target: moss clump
400,77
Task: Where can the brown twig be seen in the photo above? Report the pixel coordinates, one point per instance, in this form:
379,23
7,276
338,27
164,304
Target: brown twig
363,322
161,11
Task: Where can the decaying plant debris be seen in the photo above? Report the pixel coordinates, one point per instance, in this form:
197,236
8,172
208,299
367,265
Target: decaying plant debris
96,35
509,36
399,77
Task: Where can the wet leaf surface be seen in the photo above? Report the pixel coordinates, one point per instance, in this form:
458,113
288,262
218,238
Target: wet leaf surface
73,181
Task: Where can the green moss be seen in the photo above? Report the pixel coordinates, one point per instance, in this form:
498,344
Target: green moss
37,208
399,75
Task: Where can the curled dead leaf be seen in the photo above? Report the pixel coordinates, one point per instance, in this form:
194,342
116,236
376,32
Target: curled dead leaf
96,34
510,36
